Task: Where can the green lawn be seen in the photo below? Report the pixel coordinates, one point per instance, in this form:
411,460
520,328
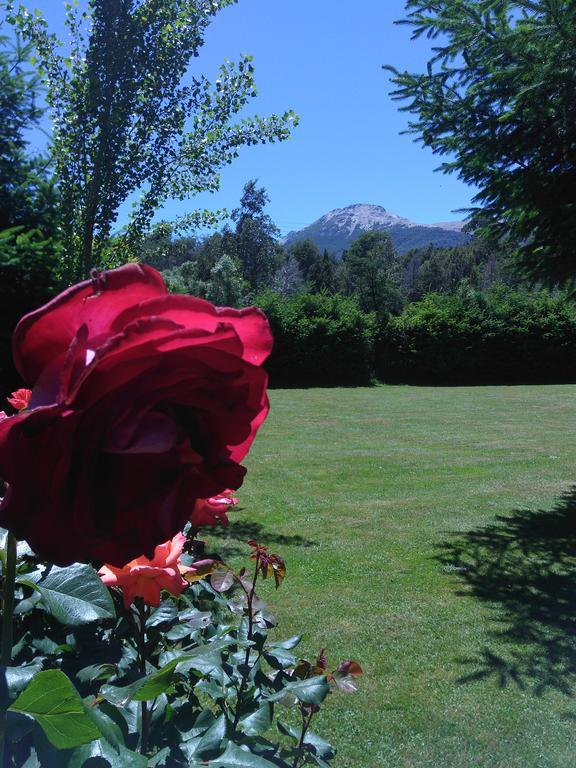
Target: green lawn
385,503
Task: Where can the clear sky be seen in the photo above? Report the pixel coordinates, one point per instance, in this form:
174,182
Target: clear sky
323,58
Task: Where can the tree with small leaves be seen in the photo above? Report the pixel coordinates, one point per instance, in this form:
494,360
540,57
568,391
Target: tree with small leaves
124,124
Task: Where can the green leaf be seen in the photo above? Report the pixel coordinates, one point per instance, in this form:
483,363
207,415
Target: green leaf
279,658
236,757
51,699
102,751
313,690
15,679
158,682
288,644
258,722
74,595
318,746
160,758
105,724
211,741
96,672
164,613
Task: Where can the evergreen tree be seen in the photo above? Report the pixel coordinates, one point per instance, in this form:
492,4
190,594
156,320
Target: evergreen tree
28,223
371,271
255,238
498,97
305,252
322,274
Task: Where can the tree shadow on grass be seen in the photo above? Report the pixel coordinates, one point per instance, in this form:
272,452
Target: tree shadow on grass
233,538
524,568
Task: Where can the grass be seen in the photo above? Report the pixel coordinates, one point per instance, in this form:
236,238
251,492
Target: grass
429,533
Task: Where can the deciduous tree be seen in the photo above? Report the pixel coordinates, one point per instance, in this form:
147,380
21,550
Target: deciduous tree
127,125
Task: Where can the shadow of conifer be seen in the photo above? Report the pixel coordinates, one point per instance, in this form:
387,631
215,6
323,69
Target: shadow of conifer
524,567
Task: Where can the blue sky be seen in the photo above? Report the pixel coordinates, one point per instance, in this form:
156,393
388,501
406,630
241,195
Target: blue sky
323,58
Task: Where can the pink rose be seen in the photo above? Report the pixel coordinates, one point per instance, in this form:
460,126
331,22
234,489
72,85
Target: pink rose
147,578
20,399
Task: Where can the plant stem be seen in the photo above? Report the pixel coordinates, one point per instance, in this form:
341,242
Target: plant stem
8,600
9,580
245,671
305,726
144,715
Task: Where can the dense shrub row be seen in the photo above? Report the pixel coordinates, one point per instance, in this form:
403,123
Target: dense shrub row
469,336
319,340
474,337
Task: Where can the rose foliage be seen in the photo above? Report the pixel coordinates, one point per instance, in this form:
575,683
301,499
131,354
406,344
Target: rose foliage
105,677
142,402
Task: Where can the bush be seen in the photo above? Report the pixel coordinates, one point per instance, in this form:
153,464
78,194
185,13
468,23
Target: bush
503,336
28,265
320,339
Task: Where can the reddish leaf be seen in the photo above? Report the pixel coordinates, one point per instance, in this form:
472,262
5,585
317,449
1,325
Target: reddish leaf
221,580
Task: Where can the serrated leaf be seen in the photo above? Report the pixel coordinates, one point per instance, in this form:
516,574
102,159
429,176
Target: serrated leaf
278,658
165,612
210,742
13,680
318,746
107,727
313,690
345,683
288,730
102,751
211,688
222,580
236,757
158,682
179,632
197,619
96,672
159,758
257,722
288,644
51,699
74,595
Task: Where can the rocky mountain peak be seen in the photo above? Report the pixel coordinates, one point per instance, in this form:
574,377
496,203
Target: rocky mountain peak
338,228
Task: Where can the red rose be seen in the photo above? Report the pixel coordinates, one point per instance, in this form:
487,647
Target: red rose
142,402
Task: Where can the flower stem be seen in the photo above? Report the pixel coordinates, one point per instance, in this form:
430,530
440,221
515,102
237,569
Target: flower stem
246,668
8,600
305,725
9,580
144,714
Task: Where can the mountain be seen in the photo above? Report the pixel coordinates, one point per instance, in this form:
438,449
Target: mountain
340,227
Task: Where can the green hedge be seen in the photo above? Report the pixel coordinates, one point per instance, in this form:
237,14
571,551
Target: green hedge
28,263
472,337
319,340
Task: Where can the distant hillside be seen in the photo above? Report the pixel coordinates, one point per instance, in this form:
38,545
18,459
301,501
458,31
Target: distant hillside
340,227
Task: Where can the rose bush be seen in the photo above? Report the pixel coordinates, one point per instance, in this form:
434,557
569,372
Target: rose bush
142,402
